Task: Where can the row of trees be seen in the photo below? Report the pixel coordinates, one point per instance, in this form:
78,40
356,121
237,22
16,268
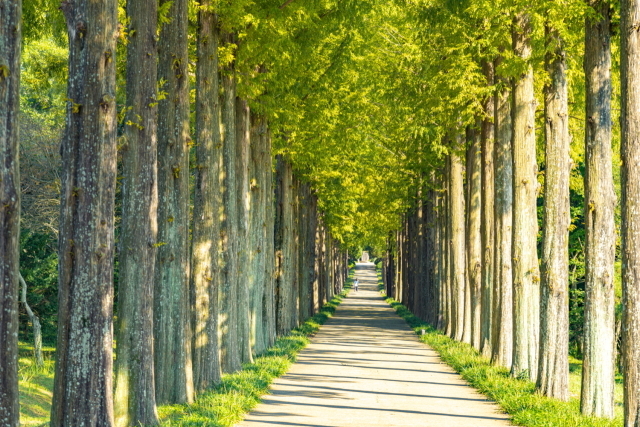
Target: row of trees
199,292
466,258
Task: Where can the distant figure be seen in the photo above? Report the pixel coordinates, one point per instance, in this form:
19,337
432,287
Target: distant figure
355,284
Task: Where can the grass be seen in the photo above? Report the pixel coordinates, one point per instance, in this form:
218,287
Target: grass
222,406
239,392
517,397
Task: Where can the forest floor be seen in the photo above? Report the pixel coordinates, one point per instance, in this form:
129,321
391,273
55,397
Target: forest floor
366,367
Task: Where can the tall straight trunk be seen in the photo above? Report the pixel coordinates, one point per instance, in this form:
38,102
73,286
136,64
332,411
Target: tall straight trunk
304,218
553,368
10,42
257,239
83,385
448,270
268,298
173,361
229,328
526,274
242,160
458,260
474,240
207,202
598,373
431,300
285,297
293,243
487,225
502,320
630,120
134,400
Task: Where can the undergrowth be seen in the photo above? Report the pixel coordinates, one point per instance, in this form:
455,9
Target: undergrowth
239,392
517,397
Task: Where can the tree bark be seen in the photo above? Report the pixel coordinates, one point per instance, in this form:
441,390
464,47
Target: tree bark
458,260
173,335
630,120
134,399
598,372
502,321
553,368
205,244
473,310
10,42
487,220
83,388
231,343
526,275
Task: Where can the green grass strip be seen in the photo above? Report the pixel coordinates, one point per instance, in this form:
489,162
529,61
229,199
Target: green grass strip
517,397
240,392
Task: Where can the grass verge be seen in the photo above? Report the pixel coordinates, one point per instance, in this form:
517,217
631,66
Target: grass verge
517,397
35,383
239,392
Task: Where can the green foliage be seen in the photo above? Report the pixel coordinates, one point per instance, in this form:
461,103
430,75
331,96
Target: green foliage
36,385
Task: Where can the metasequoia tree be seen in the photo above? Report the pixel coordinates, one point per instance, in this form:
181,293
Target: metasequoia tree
457,227
83,391
598,372
526,276
553,368
172,325
487,225
10,41
502,321
205,243
135,401
630,121
473,296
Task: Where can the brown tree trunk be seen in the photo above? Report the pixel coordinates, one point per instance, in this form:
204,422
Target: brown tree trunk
83,388
10,41
598,373
205,243
630,120
269,309
526,275
553,368
458,259
134,400
229,330
502,321
473,309
487,221
172,318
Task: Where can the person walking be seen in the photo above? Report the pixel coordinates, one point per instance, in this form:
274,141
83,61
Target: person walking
355,284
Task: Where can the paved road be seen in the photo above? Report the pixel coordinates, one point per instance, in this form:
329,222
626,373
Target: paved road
367,368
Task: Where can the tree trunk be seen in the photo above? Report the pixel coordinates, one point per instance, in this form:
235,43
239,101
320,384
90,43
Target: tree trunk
598,373
205,244
83,387
553,368
458,260
173,335
630,120
35,321
502,321
134,399
473,313
231,342
269,294
487,221
10,41
526,275
242,160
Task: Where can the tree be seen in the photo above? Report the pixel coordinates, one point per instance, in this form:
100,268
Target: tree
458,262
526,276
135,401
553,368
473,313
83,390
630,121
598,371
172,323
205,244
10,41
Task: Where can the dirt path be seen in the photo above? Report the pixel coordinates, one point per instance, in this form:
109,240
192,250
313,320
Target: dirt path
366,368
